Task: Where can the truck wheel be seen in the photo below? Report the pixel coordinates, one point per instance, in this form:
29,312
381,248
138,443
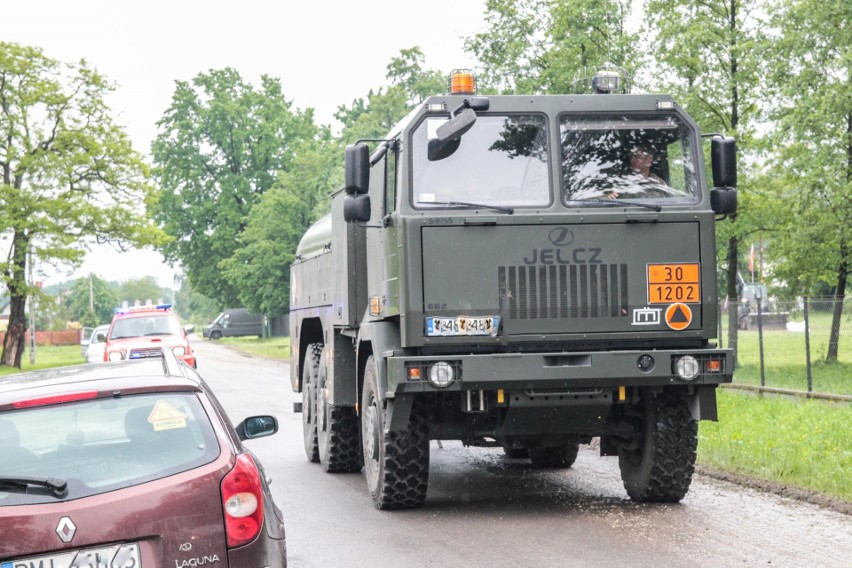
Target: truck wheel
396,462
563,455
310,367
660,468
337,431
215,335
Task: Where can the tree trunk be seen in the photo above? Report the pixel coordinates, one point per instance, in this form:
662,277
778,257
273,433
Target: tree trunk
733,296
14,341
839,295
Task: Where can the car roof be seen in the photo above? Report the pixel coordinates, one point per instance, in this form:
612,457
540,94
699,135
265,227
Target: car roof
109,379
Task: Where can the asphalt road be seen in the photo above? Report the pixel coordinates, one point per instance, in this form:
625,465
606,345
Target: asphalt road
483,509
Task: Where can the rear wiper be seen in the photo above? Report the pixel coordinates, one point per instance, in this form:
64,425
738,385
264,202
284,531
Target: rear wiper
56,485
619,202
508,210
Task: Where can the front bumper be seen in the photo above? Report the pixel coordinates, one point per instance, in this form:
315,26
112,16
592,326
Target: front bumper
564,371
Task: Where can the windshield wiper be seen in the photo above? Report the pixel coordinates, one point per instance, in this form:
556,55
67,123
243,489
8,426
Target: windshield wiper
55,485
618,202
508,210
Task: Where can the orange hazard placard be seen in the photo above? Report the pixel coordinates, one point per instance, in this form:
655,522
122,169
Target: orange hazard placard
678,316
673,283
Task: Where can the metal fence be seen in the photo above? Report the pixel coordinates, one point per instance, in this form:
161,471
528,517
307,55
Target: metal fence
792,344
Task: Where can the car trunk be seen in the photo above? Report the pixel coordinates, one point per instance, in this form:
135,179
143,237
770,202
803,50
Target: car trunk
176,521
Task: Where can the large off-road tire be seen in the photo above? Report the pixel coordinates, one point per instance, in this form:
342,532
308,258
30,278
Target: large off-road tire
660,468
561,456
338,430
396,463
310,370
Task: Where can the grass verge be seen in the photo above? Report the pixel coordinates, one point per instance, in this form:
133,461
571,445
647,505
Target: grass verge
802,443
273,348
47,357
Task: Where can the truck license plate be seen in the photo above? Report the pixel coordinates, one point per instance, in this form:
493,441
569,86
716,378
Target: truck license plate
462,325
115,556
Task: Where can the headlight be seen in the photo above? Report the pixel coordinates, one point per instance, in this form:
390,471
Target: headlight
116,355
179,350
687,367
441,374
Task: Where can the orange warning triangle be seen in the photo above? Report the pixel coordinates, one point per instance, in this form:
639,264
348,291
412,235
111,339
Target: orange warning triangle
678,316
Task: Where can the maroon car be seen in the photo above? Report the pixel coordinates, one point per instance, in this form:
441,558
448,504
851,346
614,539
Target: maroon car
128,465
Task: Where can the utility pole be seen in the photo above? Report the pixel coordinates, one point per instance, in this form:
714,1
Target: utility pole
32,311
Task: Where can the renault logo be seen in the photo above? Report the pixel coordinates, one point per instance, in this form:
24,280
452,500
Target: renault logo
65,529
561,236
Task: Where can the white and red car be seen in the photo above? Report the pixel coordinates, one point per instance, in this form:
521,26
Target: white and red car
141,332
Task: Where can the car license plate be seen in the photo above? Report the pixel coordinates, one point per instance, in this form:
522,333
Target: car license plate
462,325
115,556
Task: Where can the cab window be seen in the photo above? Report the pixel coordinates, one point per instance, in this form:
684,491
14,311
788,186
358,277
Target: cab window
627,157
500,161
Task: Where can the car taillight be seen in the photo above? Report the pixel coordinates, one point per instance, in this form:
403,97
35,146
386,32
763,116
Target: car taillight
55,399
242,500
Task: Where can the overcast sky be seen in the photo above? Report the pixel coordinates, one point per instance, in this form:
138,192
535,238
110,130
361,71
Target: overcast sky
325,53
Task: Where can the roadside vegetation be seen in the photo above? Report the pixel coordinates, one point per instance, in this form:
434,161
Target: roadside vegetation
272,348
785,361
802,443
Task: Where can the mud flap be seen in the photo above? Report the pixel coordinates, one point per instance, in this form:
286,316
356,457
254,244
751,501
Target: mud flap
702,403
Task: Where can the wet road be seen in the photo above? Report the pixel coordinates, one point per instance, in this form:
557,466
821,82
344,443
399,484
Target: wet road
483,509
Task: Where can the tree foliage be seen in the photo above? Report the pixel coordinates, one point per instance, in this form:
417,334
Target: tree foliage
814,142
68,173
89,299
548,46
222,144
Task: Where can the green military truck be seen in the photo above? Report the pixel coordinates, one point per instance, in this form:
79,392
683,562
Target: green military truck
525,272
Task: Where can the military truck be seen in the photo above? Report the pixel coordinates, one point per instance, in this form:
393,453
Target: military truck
503,271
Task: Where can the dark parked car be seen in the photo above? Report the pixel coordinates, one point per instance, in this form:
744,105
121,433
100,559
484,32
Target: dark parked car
234,322
130,464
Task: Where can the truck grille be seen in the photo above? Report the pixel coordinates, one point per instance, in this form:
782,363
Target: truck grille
560,291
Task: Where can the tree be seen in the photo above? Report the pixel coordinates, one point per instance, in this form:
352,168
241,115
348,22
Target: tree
91,298
142,290
411,83
69,174
546,46
813,71
260,267
710,56
221,146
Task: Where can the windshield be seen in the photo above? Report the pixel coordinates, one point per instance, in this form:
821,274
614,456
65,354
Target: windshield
101,445
162,324
627,157
501,161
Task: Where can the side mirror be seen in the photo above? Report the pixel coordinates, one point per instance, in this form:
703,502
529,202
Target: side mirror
100,337
187,329
257,427
438,150
723,200
455,128
723,156
357,173
356,208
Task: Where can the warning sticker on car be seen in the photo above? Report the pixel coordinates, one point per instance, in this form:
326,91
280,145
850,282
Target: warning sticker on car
164,416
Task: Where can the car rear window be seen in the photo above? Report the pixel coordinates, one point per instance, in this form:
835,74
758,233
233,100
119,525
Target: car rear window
101,445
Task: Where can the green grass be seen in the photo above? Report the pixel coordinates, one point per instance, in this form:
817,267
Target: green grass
47,356
803,443
272,348
784,358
